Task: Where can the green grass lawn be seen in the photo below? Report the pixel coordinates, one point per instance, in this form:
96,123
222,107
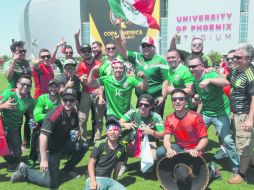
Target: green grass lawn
133,179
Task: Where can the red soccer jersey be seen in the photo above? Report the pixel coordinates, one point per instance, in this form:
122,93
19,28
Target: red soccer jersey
42,76
84,68
187,131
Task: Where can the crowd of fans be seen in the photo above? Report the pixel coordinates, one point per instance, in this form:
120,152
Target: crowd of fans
56,118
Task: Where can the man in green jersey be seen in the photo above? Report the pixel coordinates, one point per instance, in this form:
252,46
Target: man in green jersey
179,75
145,119
153,66
215,105
44,103
13,104
118,87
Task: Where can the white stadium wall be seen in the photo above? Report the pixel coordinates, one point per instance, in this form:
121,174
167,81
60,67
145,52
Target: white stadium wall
215,21
48,21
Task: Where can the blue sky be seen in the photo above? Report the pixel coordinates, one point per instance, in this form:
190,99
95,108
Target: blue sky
9,22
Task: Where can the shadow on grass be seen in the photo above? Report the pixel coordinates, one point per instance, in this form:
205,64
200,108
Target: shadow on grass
128,180
64,178
4,177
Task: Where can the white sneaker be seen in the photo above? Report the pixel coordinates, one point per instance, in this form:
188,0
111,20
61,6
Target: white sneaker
122,170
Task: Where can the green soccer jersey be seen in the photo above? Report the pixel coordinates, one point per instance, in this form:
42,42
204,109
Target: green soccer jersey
155,70
180,77
12,118
22,68
118,94
214,101
153,120
43,105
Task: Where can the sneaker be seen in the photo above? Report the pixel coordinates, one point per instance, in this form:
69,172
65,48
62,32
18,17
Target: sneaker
17,175
220,154
214,171
235,171
122,170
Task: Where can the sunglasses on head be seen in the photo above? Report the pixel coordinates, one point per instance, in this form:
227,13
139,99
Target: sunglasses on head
193,66
145,105
146,45
70,100
111,48
174,99
23,51
25,84
197,45
45,56
69,53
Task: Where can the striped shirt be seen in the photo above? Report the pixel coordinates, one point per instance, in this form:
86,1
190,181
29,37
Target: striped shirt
242,89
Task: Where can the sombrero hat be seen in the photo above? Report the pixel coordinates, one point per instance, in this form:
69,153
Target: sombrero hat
183,172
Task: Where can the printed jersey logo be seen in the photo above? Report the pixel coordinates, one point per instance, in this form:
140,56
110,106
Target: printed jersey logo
238,83
118,93
118,154
125,85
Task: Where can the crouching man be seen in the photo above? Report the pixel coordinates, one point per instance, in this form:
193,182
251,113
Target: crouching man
107,156
186,126
59,135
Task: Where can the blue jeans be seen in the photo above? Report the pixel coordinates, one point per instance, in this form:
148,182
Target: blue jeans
161,151
222,126
105,183
51,177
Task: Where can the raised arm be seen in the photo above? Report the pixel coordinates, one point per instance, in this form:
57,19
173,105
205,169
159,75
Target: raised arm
54,52
77,43
91,81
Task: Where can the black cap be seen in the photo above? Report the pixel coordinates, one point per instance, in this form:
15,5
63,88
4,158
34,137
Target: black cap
86,47
69,91
112,120
54,81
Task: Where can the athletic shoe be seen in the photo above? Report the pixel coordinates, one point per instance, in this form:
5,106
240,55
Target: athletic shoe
220,154
17,175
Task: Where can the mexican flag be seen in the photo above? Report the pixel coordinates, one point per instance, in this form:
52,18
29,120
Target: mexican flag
138,12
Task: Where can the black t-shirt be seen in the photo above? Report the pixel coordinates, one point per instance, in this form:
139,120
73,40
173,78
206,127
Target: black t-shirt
57,126
106,158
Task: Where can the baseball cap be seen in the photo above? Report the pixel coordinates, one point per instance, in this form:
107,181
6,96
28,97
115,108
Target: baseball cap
54,81
69,62
69,91
147,40
112,121
86,47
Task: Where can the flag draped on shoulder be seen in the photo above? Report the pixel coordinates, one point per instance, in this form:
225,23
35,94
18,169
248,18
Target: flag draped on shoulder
138,12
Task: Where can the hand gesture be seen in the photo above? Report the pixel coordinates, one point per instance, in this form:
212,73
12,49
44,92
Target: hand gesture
147,130
101,101
62,42
247,125
193,152
76,35
69,84
44,166
16,58
204,83
170,89
129,126
159,101
9,104
171,153
141,74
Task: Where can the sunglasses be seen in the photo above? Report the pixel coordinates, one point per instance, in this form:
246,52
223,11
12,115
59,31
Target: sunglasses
145,105
197,45
111,48
146,45
174,99
69,53
70,68
25,84
70,100
229,59
193,66
86,51
237,57
45,56
23,51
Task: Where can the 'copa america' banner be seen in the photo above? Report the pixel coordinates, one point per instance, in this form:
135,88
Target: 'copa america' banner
103,19
215,21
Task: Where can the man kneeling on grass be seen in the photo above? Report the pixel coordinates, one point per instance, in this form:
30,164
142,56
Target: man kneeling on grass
107,156
59,135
